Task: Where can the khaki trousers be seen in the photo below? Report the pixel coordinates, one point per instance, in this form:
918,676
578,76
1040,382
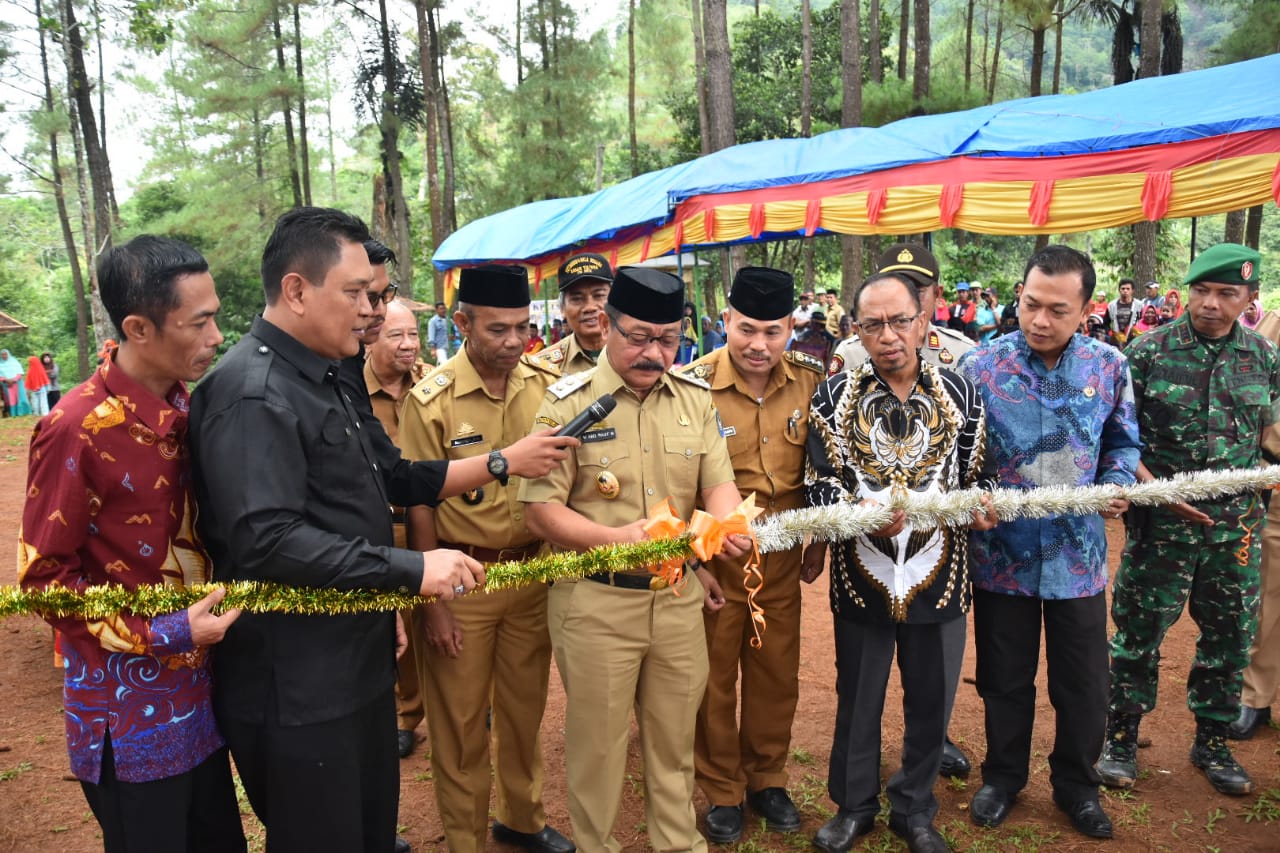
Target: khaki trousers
617,649
1262,676
505,662
733,757
408,695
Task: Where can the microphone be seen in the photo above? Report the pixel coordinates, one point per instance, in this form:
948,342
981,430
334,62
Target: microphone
592,414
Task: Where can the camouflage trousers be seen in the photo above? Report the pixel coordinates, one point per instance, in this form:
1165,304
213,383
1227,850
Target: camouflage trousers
1157,578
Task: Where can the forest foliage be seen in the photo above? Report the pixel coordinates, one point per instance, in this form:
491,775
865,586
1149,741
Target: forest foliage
422,115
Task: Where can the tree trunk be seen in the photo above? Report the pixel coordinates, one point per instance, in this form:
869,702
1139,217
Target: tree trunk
1037,59
968,45
1144,233
995,54
95,216
631,87
904,33
64,218
924,46
1057,49
806,87
102,102
328,114
519,44
1233,232
444,116
1253,227
700,77
431,167
876,59
720,109
259,167
290,146
302,105
389,136
851,116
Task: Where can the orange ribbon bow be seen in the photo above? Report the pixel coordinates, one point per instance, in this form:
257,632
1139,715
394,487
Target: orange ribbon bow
709,537
663,523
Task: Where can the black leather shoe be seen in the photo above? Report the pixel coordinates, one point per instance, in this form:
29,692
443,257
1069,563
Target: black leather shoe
1249,721
838,834
404,742
724,824
402,846
1087,817
920,839
954,763
545,840
990,806
775,806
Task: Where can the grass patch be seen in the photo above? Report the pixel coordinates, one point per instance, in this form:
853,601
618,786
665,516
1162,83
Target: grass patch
1265,809
15,771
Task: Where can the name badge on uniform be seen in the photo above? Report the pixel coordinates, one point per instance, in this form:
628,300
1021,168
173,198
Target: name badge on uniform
608,434
726,431
463,442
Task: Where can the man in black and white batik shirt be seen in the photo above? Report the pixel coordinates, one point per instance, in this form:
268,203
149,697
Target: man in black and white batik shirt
894,425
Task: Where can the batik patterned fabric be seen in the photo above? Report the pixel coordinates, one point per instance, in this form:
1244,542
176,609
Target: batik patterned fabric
865,443
109,501
1073,425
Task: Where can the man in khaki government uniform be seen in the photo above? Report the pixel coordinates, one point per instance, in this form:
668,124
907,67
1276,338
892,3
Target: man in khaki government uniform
584,282
1262,676
762,395
942,347
391,367
625,639
491,647
833,313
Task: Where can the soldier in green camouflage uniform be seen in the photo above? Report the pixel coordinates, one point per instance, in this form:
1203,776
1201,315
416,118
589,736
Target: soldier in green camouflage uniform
1206,387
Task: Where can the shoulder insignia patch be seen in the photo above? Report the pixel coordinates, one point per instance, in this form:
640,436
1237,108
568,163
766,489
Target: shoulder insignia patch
946,357
691,379
837,364
803,359
538,363
431,384
935,342
568,384
698,370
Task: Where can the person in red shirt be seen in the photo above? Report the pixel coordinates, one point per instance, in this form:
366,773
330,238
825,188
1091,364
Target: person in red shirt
109,500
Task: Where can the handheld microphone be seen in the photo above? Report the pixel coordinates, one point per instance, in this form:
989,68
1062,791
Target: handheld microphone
592,414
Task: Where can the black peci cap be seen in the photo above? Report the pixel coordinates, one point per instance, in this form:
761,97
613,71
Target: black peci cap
648,295
494,285
762,293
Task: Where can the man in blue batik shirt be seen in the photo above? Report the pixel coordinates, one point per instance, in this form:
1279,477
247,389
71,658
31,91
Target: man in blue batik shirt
1060,412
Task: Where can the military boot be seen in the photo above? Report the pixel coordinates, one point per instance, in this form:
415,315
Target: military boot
1118,766
1212,755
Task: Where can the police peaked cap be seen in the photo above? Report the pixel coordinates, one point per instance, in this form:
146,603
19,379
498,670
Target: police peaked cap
915,262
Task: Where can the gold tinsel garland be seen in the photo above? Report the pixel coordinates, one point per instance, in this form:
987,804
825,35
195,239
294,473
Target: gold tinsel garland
151,600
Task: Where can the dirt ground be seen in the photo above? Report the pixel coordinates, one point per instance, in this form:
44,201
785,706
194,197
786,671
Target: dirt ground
1172,808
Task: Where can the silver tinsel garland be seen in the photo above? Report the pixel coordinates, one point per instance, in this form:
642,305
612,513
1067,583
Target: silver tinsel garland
839,522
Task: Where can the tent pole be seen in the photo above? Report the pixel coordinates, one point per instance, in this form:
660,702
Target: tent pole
1194,220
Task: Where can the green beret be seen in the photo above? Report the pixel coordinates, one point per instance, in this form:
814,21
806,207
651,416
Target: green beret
1225,263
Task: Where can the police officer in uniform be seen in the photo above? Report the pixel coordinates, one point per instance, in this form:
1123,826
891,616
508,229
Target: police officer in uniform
584,286
942,347
626,639
762,395
492,647
1206,387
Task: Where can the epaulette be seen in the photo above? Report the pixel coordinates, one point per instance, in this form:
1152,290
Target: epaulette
691,379
566,385
538,363
803,359
432,384
700,370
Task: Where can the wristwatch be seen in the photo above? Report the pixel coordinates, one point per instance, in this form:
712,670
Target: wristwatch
498,466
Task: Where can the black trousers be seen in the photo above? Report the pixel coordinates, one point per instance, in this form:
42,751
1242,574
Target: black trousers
331,787
1006,631
930,672
194,811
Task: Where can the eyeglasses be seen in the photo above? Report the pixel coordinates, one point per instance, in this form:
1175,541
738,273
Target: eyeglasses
875,327
385,296
671,340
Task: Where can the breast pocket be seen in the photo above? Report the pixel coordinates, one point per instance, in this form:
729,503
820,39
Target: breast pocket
1247,403
604,469
684,452
338,449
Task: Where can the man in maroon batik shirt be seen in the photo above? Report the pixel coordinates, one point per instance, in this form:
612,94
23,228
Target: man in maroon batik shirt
109,500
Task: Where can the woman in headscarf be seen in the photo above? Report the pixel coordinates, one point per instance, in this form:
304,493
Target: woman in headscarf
1173,301
1150,320
37,382
1252,314
54,374
10,383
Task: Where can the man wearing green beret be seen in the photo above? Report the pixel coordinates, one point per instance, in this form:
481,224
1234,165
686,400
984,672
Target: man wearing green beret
1206,388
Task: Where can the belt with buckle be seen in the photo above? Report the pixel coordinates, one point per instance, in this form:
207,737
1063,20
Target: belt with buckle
626,581
494,555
